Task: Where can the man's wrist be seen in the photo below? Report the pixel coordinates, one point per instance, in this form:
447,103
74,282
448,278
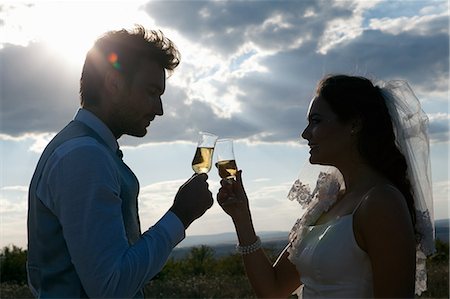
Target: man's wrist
180,216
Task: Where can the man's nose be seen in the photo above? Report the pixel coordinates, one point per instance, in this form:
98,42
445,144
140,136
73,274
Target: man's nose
159,108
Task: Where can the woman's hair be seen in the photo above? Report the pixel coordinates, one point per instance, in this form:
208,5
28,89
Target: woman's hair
352,98
124,51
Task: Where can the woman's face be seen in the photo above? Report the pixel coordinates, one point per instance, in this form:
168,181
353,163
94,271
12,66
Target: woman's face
329,139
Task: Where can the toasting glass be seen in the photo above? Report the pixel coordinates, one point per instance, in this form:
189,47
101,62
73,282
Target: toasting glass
226,163
203,155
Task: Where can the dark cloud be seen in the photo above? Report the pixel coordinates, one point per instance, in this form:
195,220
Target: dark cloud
40,93
422,60
226,25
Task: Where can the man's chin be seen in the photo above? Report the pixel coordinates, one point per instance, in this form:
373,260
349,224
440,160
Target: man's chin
140,133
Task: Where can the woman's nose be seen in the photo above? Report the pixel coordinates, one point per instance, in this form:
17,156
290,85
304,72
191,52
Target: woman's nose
305,134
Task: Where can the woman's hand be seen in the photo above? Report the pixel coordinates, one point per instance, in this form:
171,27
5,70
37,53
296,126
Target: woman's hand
232,197
267,280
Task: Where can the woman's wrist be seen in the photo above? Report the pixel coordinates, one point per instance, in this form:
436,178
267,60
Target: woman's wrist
245,232
247,249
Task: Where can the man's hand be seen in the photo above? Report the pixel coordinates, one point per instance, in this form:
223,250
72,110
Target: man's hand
192,199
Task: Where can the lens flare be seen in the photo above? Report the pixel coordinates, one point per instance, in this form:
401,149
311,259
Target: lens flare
113,59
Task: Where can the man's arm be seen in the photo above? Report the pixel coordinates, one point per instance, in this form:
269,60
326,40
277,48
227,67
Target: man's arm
85,187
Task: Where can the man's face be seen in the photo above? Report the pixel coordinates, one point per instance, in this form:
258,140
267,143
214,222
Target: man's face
141,101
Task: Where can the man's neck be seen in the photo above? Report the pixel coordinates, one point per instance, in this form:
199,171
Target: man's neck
104,116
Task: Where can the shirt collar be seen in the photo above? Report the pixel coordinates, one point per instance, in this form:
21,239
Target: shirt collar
93,122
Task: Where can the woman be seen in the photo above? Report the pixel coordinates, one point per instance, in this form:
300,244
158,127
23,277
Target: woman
345,245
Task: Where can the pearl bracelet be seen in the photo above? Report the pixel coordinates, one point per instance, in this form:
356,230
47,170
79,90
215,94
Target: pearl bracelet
249,248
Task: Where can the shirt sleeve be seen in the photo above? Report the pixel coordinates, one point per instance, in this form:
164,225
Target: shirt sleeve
85,189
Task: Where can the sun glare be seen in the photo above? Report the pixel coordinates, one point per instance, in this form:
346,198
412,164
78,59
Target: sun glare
69,28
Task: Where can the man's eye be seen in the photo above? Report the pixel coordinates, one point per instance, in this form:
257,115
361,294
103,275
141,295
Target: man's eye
314,120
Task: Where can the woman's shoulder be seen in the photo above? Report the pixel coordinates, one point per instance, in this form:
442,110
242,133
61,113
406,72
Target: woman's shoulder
382,211
383,203
384,196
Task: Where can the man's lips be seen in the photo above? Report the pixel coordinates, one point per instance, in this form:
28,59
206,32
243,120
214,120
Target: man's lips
149,119
312,146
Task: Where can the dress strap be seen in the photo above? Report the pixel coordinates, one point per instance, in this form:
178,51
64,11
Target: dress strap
365,196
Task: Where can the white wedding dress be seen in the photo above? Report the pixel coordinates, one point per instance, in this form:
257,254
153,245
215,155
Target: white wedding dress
330,262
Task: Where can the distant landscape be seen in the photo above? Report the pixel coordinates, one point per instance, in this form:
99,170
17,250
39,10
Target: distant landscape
441,229
224,243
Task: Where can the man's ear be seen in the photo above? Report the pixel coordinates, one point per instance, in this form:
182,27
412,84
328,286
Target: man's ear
114,82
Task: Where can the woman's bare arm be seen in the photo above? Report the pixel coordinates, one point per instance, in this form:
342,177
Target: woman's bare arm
267,280
384,224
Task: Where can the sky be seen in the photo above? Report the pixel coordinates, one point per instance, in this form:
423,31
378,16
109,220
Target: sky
248,71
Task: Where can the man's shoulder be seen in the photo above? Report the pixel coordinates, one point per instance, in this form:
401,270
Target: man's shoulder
82,152
80,143
74,136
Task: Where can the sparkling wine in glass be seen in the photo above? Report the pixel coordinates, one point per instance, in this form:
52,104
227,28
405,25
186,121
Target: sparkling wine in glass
226,163
203,155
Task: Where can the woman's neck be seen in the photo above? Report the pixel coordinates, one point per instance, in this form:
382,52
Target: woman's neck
358,176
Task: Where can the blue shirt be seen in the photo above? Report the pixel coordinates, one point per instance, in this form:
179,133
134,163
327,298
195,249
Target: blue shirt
80,185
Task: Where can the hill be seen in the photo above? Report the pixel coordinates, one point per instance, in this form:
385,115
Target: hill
225,243
227,238
441,227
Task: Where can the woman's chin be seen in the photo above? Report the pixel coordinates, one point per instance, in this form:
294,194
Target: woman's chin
314,160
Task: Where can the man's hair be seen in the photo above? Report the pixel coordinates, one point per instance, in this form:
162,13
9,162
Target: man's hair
124,51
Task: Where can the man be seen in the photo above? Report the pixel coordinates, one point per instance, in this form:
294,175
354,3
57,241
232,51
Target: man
84,236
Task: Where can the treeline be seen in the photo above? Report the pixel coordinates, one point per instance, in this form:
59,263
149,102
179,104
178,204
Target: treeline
200,274
198,261
13,265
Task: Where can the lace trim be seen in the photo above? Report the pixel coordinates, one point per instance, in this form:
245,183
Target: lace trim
425,247
316,203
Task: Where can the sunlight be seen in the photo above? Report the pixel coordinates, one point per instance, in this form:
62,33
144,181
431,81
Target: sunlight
69,28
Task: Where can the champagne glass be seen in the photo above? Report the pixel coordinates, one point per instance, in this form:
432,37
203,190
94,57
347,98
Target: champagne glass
203,155
226,163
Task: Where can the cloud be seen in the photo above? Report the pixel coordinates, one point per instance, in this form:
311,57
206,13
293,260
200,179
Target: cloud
13,211
248,69
13,201
15,188
269,196
420,25
39,92
439,125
